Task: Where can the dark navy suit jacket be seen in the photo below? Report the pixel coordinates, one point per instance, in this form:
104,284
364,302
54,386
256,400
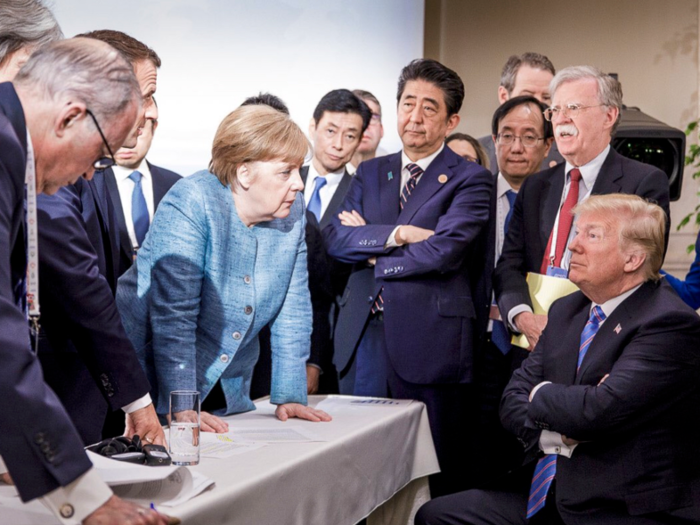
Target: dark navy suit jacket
87,357
39,444
429,313
638,454
163,180
536,210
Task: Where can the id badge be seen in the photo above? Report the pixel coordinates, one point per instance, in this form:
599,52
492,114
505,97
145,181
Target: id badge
555,271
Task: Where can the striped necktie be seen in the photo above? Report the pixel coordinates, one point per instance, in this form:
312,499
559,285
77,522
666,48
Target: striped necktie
416,171
547,466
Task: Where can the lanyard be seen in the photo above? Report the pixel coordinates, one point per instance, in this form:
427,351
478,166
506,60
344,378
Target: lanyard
33,242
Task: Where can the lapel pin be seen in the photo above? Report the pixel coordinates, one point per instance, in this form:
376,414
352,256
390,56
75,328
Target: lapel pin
618,329
389,176
442,179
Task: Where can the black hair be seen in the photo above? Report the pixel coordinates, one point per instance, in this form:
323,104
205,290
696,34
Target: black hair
267,99
343,101
512,103
434,72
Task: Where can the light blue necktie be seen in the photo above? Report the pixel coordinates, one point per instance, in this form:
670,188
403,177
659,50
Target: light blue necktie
547,466
139,210
315,201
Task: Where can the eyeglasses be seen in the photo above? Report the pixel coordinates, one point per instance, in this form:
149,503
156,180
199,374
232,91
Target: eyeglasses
570,110
528,141
103,162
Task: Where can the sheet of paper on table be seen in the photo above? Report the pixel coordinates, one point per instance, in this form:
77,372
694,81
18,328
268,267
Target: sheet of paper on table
337,404
220,446
273,434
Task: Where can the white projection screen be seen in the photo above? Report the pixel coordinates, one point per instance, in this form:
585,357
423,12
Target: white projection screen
216,53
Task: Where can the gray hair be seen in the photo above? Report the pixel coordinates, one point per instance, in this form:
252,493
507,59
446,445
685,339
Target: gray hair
87,69
609,89
533,60
25,22
642,226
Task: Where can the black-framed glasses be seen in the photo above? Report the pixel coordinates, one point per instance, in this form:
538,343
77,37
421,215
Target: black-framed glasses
103,162
528,141
570,110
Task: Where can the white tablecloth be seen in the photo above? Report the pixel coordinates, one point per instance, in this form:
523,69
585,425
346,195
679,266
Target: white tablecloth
371,453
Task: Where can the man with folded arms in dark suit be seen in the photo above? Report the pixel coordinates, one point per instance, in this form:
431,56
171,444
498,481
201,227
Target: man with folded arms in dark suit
136,187
603,404
410,223
585,110
49,137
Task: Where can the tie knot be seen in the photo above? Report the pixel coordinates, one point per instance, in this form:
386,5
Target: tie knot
575,175
414,169
319,183
136,176
511,195
597,315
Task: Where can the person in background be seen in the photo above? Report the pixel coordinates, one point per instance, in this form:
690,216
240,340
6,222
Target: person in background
225,256
468,148
689,288
369,145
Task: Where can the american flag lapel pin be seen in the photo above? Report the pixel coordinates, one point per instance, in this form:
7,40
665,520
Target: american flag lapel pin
618,329
389,176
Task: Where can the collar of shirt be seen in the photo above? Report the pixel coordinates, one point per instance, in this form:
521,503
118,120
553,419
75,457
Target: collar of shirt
609,306
590,170
423,163
502,186
332,181
121,173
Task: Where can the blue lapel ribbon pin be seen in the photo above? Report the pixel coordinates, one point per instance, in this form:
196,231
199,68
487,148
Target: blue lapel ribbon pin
389,176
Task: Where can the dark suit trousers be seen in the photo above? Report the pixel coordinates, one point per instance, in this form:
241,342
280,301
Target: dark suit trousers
367,375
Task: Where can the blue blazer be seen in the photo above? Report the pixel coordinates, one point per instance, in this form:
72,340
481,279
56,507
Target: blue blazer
429,314
39,444
689,289
204,285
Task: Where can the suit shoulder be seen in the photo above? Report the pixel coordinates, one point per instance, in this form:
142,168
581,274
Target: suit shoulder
164,173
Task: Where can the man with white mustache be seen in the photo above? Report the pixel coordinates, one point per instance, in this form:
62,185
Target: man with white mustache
585,111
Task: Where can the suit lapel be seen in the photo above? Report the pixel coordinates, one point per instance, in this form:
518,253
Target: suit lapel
550,204
336,200
124,241
609,175
434,178
159,186
304,173
566,356
389,182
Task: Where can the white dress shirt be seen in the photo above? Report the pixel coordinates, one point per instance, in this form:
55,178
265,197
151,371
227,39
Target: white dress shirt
326,193
126,190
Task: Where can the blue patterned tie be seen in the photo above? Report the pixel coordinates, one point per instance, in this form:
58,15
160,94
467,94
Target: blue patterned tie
547,466
416,171
139,210
499,335
315,201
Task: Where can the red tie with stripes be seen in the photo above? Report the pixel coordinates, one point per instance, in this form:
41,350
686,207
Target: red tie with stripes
566,219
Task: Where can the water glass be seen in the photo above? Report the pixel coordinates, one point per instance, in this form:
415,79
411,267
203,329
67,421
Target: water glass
184,427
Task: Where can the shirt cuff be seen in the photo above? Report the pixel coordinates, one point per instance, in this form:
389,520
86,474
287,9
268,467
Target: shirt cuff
537,387
314,365
391,241
551,443
80,498
138,404
3,468
515,311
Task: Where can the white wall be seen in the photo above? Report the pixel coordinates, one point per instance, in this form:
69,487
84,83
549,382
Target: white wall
216,53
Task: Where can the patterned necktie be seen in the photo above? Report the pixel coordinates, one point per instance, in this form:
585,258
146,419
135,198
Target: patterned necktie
139,210
566,219
547,466
315,201
499,334
416,171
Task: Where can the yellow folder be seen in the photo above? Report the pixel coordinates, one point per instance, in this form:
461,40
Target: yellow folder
544,290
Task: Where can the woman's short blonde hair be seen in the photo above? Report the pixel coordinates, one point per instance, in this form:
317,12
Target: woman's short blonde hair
255,133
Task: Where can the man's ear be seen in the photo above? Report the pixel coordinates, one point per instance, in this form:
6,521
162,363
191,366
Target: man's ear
68,117
312,128
634,261
502,94
452,123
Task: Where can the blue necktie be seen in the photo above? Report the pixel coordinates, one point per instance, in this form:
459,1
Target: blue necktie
499,334
139,210
547,466
315,201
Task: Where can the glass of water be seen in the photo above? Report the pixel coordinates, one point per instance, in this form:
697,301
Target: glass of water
184,427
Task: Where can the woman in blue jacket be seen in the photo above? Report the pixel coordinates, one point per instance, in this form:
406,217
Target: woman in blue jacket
689,289
224,257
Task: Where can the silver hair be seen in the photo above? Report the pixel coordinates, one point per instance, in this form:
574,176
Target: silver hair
512,66
609,88
84,69
25,22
